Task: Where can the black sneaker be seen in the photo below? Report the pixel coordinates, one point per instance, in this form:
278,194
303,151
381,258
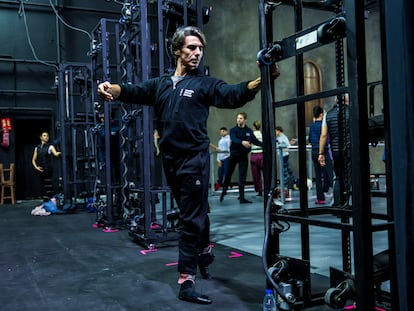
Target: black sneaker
204,260
187,293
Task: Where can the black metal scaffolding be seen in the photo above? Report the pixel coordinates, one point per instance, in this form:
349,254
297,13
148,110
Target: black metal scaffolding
361,273
129,50
76,115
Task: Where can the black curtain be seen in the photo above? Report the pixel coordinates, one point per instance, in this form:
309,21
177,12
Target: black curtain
399,31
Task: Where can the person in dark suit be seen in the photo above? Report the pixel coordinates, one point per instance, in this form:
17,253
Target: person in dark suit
242,138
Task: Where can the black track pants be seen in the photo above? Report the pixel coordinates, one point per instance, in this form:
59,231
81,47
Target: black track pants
188,178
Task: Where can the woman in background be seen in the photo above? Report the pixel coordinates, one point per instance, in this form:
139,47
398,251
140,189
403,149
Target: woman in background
42,162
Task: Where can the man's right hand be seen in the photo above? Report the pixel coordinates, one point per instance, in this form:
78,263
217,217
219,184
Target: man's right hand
321,159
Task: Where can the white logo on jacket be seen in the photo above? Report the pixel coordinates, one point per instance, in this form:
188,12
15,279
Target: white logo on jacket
186,93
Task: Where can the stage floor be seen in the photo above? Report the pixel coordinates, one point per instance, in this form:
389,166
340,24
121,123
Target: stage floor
61,262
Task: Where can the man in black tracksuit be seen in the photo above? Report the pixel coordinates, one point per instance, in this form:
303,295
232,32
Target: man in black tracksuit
181,104
241,137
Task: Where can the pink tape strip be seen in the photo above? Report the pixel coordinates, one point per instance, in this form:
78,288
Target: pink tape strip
145,251
235,255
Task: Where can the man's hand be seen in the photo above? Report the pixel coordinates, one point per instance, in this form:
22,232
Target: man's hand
275,71
246,143
108,92
321,159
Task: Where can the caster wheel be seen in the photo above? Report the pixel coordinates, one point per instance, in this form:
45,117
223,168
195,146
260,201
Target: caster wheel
332,298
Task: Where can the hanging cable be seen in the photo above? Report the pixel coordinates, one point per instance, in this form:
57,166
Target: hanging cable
66,24
116,1
22,13
268,127
168,52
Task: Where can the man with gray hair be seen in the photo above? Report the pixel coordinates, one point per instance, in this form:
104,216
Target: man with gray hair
181,105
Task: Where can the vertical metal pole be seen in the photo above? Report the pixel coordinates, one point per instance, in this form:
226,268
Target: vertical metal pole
300,110
199,23
395,301
268,131
268,111
147,124
281,175
162,69
64,150
161,38
69,89
107,113
361,198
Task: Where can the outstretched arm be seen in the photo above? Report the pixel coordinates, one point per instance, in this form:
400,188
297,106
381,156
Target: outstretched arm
56,153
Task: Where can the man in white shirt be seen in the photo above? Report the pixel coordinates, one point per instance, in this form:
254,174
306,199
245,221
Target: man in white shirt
289,176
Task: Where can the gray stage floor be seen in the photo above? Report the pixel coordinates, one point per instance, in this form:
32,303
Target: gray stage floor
242,226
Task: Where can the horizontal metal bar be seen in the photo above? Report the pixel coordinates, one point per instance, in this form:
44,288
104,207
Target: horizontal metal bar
314,222
310,97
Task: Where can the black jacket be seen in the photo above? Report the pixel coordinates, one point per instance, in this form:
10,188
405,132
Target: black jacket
182,113
237,135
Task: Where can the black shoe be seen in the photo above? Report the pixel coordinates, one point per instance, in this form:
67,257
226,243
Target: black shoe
187,293
204,260
259,194
244,201
223,193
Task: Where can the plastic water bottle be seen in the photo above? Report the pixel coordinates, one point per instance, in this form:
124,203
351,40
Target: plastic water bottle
269,301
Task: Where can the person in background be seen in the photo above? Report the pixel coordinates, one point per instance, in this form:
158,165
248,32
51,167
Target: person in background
51,208
181,104
289,177
42,163
223,155
256,160
323,174
242,138
340,144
